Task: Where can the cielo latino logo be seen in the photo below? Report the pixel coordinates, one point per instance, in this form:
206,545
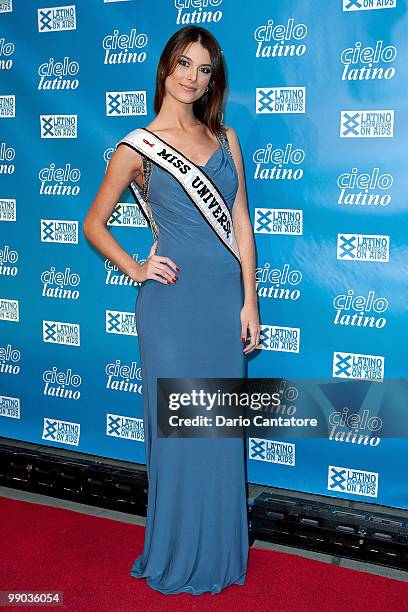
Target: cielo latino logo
364,188
360,311
59,384
278,283
62,181
115,276
280,40
124,377
7,155
10,359
278,163
198,11
58,75
368,63
6,51
8,261
60,285
358,428
124,48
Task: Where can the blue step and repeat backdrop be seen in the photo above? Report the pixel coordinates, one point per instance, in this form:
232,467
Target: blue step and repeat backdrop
317,95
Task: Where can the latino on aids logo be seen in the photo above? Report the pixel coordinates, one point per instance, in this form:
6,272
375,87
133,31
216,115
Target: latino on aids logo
61,332
59,126
8,209
280,100
128,428
10,407
279,338
127,214
7,106
6,6
368,5
62,231
278,221
9,310
120,322
363,247
63,432
366,124
56,18
352,481
126,103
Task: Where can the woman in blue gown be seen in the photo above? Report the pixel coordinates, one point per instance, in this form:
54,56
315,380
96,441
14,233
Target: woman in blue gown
196,537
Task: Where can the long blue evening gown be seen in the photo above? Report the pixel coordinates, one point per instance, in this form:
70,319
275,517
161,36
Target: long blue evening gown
196,536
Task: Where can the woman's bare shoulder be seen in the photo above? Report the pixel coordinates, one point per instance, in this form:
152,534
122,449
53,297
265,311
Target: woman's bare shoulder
229,130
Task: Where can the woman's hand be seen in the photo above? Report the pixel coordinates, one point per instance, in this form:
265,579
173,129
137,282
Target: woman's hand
250,320
157,267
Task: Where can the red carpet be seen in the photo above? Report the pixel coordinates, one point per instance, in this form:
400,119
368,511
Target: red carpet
89,559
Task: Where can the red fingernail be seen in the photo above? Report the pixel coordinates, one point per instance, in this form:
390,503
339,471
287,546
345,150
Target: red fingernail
243,339
176,277
178,269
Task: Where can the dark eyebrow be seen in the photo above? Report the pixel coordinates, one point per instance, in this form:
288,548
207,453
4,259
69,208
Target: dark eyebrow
189,58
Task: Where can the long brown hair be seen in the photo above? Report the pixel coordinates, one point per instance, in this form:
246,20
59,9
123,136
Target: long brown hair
209,108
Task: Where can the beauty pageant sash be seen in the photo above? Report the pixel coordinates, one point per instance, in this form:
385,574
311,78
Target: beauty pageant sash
198,186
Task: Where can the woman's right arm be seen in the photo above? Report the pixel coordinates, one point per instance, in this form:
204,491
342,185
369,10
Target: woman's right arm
124,166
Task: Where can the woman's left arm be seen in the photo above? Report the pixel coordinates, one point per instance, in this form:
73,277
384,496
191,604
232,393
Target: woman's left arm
245,239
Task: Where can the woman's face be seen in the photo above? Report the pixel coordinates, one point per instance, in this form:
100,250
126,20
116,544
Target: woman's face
191,74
